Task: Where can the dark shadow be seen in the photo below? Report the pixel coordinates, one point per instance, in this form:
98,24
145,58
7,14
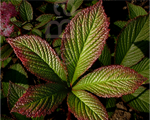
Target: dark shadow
143,45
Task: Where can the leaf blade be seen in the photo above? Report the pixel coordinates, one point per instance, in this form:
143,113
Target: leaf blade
111,81
78,47
38,57
139,100
40,100
85,106
133,42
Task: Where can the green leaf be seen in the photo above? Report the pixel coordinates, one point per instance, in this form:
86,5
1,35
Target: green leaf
44,19
135,11
16,2
38,57
15,74
17,23
139,100
4,63
27,26
38,118
105,57
40,100
73,5
14,93
37,32
110,106
120,24
84,39
56,1
85,106
5,51
56,45
133,42
143,68
111,81
26,11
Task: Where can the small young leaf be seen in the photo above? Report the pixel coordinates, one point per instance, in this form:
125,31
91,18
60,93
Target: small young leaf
56,1
40,100
27,26
15,74
120,24
85,106
56,45
84,39
105,57
143,67
111,81
5,51
135,11
38,57
44,19
37,32
4,63
17,23
73,5
133,42
139,100
26,11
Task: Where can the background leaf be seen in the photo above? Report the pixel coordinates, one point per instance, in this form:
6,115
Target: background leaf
4,63
26,11
56,45
44,19
143,68
40,100
85,106
111,81
133,42
139,100
15,74
73,5
105,57
83,40
56,1
120,24
37,32
38,57
27,26
5,51
135,11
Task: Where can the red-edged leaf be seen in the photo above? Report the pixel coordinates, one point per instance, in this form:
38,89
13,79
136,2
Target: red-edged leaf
38,57
111,81
40,100
85,106
5,51
84,39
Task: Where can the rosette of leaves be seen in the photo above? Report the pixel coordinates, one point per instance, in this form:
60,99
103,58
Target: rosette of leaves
82,44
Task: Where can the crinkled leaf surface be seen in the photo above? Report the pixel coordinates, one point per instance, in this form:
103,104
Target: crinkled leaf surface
111,81
105,57
38,57
143,67
73,5
135,11
43,19
40,100
26,11
5,51
133,42
15,74
139,100
84,39
85,106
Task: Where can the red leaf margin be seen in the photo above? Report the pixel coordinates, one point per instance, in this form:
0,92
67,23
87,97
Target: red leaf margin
67,31
138,83
23,60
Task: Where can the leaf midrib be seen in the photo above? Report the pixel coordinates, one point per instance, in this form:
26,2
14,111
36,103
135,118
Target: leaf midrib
39,57
82,48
